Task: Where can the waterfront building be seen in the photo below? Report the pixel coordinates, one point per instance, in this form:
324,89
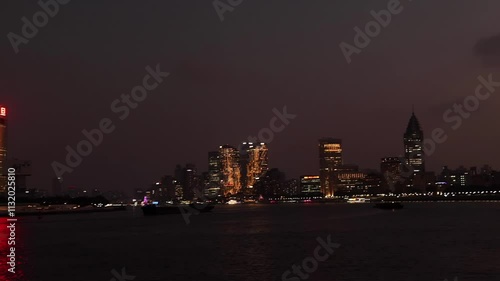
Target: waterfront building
349,181
253,163
214,170
330,161
272,183
413,139
230,169
310,184
291,187
391,169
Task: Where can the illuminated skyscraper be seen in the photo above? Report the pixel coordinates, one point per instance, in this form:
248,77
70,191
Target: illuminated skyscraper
230,169
254,163
214,174
189,180
330,160
413,144
3,149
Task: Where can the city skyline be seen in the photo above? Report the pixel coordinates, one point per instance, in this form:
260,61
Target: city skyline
233,139
411,147
244,170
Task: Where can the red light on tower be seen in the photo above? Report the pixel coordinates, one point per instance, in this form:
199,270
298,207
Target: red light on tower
3,111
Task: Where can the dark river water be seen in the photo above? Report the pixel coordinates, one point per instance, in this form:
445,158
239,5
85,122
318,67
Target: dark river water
424,242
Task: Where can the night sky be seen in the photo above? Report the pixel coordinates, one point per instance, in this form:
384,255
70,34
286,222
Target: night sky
226,78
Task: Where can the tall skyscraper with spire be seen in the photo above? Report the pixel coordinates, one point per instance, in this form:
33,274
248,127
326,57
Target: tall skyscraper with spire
413,144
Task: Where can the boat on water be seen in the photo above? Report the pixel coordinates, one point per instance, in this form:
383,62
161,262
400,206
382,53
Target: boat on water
153,210
389,205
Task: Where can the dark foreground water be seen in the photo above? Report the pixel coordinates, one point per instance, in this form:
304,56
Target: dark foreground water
424,242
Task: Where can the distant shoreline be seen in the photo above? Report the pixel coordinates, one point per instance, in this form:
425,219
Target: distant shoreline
42,212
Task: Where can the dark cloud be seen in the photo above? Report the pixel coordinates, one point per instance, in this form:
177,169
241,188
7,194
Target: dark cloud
488,49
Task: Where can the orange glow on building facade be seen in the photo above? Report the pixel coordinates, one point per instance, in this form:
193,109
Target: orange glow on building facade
230,169
255,163
330,159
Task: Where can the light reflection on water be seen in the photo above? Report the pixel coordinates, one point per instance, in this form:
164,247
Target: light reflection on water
425,241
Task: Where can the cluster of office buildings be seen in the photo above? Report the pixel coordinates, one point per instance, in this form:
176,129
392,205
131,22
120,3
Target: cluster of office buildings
231,171
244,171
